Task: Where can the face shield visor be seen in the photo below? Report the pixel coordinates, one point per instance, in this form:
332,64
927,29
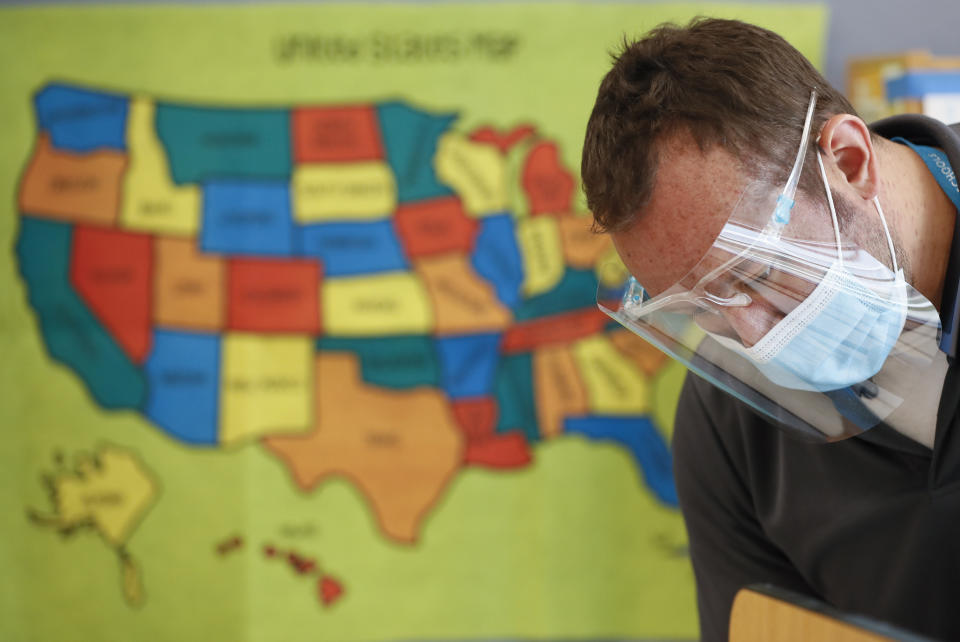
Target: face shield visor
810,322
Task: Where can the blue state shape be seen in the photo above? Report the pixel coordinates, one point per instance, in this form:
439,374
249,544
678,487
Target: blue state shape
71,332
82,120
352,248
400,362
496,257
575,291
468,364
247,217
183,378
642,439
515,400
410,138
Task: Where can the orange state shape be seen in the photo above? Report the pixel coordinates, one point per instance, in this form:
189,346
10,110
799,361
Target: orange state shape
436,226
476,417
548,185
502,141
558,388
81,188
188,286
582,248
560,328
641,352
332,134
400,448
462,301
112,272
509,450
274,295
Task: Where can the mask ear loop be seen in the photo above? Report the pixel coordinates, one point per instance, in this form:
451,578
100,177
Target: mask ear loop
833,210
836,225
883,219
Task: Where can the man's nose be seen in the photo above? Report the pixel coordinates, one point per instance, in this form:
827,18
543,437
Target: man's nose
751,323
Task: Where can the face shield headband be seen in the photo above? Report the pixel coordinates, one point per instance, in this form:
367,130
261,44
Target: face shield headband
841,335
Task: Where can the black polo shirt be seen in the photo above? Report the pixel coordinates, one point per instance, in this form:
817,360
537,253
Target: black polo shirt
870,525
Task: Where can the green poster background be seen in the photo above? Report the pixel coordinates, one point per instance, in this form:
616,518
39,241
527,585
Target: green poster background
571,546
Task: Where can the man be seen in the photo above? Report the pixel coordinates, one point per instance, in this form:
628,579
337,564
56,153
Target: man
818,300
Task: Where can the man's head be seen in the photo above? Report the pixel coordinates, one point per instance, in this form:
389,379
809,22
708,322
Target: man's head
714,83
687,118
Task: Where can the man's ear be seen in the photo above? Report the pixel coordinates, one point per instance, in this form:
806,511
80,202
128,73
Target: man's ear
845,143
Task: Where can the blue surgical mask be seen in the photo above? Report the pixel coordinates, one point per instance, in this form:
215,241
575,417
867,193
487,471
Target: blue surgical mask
838,336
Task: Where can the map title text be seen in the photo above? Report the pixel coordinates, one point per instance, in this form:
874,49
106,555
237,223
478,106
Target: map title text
384,47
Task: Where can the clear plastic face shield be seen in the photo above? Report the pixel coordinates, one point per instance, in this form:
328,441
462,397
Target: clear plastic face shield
806,318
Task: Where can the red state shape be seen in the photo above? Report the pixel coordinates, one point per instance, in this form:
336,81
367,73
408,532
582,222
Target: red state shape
503,142
113,272
330,590
434,227
548,185
509,450
229,545
560,328
476,417
322,134
302,565
273,295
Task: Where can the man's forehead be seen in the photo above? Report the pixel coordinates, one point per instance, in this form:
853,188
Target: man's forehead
694,193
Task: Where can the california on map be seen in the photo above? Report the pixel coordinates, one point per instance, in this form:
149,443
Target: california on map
363,291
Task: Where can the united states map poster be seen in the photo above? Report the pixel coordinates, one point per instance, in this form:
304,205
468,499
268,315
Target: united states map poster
299,334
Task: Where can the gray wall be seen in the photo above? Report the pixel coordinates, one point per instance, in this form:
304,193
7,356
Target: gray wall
857,27
865,27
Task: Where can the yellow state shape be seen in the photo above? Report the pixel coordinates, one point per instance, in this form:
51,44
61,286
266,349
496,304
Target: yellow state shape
131,582
615,385
610,270
267,386
476,172
351,191
542,252
151,201
518,203
109,491
383,304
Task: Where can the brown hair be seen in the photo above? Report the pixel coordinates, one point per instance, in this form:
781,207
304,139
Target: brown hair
726,82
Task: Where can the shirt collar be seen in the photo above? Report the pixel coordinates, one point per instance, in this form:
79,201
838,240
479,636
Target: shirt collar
941,169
